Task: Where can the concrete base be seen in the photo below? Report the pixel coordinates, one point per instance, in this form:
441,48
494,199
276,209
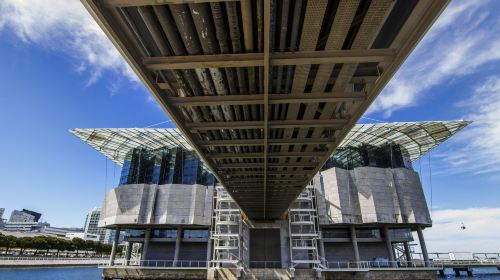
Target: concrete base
254,274
157,274
385,275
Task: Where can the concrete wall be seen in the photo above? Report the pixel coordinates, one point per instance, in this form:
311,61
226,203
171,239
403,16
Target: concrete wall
140,204
371,195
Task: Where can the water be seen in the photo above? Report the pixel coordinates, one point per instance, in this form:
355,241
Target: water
479,273
59,273
93,273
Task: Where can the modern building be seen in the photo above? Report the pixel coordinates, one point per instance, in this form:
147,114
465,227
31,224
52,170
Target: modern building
82,235
362,207
264,92
24,216
91,223
2,210
57,231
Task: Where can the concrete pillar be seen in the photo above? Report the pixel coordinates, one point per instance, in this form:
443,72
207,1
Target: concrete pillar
145,244
209,249
128,253
114,247
421,240
388,242
354,241
177,245
322,248
407,252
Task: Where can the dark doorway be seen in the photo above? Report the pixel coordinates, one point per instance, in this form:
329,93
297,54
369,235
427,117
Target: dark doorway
265,249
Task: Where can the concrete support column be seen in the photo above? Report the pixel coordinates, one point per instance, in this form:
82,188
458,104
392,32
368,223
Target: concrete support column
322,248
407,252
422,246
128,253
114,247
177,245
209,249
388,242
354,241
145,244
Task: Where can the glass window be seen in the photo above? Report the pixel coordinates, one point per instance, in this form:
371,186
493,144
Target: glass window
164,233
195,233
336,233
134,233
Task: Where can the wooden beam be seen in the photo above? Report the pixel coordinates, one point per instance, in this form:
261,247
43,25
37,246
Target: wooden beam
133,3
275,59
260,142
261,155
250,99
203,126
260,165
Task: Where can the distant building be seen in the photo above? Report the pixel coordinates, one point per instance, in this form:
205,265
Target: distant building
2,210
59,232
36,215
91,222
22,217
24,226
82,235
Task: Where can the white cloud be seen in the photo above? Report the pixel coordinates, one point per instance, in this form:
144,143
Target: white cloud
463,39
64,26
481,233
477,148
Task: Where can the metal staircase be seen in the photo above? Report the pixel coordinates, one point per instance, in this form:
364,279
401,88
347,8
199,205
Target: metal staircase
304,231
226,233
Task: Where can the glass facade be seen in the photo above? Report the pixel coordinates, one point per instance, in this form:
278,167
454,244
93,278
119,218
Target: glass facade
164,233
386,156
195,233
164,166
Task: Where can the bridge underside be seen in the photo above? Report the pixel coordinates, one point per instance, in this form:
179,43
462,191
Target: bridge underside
265,90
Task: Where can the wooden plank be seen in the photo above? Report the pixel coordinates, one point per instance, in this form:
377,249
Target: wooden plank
275,59
260,142
246,99
204,126
133,3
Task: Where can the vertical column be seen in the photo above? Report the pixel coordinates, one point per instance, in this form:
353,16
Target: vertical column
114,246
177,245
422,246
388,242
145,244
322,248
128,253
354,241
209,249
407,253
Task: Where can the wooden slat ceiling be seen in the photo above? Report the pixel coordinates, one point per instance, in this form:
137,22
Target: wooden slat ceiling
265,90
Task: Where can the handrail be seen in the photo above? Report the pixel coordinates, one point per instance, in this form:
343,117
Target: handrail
160,263
363,265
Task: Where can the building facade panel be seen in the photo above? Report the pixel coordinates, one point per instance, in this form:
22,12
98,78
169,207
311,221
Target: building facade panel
371,195
142,204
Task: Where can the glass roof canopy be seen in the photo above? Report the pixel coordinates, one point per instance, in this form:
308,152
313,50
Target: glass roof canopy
416,137
115,143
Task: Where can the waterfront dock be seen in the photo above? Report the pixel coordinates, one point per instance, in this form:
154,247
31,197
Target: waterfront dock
25,262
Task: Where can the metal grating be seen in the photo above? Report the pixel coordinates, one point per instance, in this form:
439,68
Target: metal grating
245,81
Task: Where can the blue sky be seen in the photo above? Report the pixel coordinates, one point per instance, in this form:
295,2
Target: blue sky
58,71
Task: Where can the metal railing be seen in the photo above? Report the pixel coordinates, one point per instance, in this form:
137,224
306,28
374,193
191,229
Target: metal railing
265,264
53,258
159,263
367,265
